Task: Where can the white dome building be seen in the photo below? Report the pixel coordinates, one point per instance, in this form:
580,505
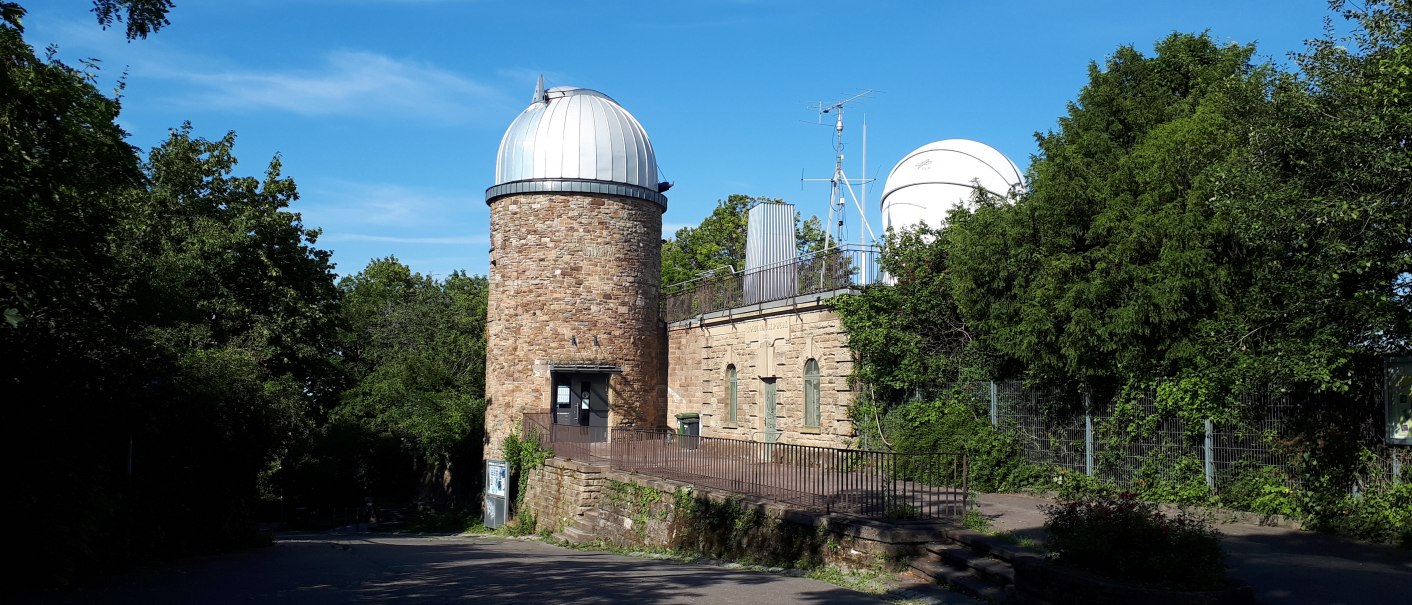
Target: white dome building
934,178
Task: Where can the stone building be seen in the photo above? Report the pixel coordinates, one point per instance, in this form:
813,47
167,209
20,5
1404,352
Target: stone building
573,325
575,328
774,372
764,357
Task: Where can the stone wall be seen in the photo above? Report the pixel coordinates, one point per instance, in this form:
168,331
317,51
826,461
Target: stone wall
574,279
560,492
634,511
765,342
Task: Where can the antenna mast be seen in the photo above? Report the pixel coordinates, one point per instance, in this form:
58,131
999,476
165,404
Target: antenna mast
840,186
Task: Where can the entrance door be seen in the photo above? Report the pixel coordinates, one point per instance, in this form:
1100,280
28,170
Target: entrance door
772,432
582,400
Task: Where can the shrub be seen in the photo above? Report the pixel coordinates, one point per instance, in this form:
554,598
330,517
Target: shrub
1129,540
523,454
1383,514
1073,486
1175,479
1258,488
997,461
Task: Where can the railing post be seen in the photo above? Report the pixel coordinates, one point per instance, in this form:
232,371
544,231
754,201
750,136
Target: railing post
1088,435
994,406
1208,453
965,483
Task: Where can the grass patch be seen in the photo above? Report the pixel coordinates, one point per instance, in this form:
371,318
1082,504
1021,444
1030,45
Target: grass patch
974,520
1024,542
872,581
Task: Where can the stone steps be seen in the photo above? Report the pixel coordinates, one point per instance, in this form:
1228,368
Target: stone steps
972,563
965,581
581,530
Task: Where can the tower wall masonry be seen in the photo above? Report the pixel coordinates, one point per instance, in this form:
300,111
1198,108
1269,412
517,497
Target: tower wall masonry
574,279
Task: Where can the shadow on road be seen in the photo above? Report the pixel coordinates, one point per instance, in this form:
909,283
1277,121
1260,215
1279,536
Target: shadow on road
345,568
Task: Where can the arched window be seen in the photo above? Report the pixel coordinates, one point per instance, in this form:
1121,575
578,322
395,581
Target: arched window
811,393
732,391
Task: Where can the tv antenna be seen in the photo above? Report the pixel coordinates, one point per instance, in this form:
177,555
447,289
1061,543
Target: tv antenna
840,186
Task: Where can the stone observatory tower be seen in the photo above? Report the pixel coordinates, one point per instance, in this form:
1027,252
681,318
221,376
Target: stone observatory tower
573,327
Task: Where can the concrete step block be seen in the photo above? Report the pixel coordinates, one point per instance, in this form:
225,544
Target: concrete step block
965,558
964,581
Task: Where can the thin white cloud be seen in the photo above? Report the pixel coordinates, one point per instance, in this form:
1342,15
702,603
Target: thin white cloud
670,229
352,83
393,239
341,83
347,205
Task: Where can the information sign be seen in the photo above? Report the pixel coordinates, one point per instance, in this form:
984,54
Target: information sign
1399,400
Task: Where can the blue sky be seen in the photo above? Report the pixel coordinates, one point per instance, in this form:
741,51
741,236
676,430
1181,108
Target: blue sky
388,113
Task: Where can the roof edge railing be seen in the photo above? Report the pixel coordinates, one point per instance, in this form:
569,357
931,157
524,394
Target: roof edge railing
837,268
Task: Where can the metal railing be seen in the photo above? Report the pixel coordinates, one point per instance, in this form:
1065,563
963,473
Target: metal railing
570,441
882,485
825,271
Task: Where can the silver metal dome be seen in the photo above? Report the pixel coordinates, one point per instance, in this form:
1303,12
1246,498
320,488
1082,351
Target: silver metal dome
576,140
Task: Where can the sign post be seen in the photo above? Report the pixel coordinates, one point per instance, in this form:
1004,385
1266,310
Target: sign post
1398,399
497,491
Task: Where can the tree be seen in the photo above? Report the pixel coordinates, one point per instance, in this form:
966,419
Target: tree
1322,203
68,358
237,311
1106,268
909,336
719,241
143,17
168,326
416,350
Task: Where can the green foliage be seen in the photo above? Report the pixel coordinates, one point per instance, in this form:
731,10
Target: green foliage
72,368
1258,488
1379,508
1319,287
143,17
684,501
1129,540
522,525
1072,486
1105,267
719,241
1381,514
523,454
1172,478
641,503
910,335
1197,225
997,463
737,530
169,326
974,520
174,333
414,351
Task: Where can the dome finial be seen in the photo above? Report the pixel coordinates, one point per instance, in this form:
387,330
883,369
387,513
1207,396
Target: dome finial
539,96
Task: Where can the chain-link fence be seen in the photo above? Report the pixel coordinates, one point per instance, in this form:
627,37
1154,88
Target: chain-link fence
1130,441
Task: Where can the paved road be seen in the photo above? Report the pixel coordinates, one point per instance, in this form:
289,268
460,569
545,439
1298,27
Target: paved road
1284,566
352,568
1291,567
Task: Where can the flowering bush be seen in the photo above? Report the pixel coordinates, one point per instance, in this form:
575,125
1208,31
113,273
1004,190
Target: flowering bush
1129,540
